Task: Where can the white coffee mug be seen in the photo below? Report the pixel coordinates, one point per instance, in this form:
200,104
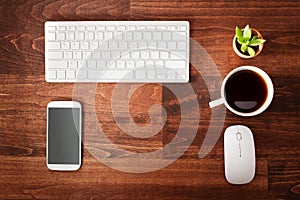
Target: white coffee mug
267,102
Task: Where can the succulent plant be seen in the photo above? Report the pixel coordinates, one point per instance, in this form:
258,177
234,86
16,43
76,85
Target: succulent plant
247,39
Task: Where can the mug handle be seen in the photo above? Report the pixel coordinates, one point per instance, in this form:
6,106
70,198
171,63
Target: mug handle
216,102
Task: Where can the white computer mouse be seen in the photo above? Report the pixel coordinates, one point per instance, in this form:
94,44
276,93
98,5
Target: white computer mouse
239,154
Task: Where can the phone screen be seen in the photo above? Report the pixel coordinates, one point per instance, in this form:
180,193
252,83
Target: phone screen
63,136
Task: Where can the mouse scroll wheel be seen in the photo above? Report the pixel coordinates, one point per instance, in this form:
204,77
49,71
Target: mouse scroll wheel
238,136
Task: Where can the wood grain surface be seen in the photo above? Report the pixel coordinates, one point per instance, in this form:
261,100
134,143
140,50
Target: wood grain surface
24,95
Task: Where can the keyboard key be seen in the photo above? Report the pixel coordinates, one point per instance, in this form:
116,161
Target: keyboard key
93,45
175,64
151,74
149,64
81,74
171,45
108,35
152,45
113,75
147,36
53,45
111,65
162,28
77,54
171,28
125,55
171,75
57,64
103,45
61,74
105,54
71,28
79,36
140,75
101,64
121,28
159,64
167,36
162,45
131,28
181,45
135,55
164,55
91,28
61,28
141,27
61,36
137,35
128,36
96,54
91,64
51,74
140,64
118,35
81,64
75,45
65,45
120,64
51,28
112,45
70,36
145,54
101,28
178,55
99,36
123,45
151,27
111,28
87,54
179,36
154,54
157,35
182,28
130,64
80,28
70,74
142,45
89,35
72,64
51,36
55,55
68,55
133,45
115,55
84,45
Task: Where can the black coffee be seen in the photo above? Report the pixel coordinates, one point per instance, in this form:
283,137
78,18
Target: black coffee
246,91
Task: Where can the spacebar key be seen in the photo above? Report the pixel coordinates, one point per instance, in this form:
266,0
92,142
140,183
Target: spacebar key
110,75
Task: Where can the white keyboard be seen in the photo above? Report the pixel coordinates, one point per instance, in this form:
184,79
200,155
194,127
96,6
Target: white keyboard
117,51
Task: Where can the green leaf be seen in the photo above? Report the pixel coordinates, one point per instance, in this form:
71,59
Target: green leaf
254,37
256,42
242,40
247,32
238,32
251,51
244,48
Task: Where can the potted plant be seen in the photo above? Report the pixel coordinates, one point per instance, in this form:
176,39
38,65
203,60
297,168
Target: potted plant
247,42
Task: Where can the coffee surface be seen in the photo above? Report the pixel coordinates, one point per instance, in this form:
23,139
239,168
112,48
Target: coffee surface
246,91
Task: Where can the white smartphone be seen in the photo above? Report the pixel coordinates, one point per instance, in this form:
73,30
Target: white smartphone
64,135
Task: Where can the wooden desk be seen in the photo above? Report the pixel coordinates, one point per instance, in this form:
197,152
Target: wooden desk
24,95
